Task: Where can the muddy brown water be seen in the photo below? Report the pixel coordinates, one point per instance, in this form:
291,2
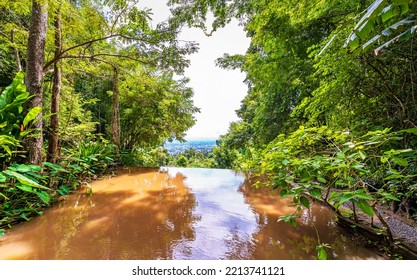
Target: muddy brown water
177,213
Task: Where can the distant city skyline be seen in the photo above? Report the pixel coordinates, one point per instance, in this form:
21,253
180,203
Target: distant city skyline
217,92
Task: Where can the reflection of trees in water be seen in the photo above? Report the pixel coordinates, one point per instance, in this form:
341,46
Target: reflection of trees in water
279,240
147,228
141,219
239,245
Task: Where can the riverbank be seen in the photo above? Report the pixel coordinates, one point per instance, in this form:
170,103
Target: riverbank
403,230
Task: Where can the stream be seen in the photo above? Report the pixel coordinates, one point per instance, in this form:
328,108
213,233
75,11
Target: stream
178,213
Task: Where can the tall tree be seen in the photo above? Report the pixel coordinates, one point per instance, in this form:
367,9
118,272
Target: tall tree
56,91
34,73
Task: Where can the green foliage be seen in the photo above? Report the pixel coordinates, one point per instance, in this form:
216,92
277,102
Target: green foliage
91,158
321,251
339,168
384,23
26,189
11,116
153,157
23,193
154,109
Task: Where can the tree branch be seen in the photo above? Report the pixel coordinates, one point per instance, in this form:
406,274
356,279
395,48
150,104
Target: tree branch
96,57
88,43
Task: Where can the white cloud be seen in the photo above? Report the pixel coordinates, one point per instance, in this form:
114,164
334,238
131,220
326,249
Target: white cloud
217,92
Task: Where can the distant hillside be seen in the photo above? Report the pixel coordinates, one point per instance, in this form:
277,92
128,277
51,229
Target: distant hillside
199,145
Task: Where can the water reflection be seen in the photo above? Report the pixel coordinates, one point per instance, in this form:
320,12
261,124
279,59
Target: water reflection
176,213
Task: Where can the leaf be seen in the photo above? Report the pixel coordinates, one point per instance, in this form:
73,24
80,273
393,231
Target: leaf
400,161
24,180
304,201
365,207
2,178
389,196
389,12
24,168
283,193
55,167
1,232
373,9
363,195
64,189
321,180
345,198
24,188
411,130
44,196
405,35
31,115
321,253
285,161
315,193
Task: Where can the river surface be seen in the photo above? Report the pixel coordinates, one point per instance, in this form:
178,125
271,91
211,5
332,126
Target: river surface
177,213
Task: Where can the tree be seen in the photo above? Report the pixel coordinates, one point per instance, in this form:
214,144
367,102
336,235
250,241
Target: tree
56,91
154,108
34,73
384,23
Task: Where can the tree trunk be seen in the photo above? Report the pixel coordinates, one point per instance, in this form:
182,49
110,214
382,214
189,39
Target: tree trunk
56,91
115,120
34,74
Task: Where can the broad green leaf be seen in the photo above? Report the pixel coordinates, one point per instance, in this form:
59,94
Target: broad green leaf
411,130
23,216
24,179
315,193
365,207
401,2
372,41
345,198
283,193
375,8
405,35
404,9
63,190
364,196
44,196
31,115
389,196
321,253
321,180
24,168
54,166
304,201
389,12
24,188
366,29
2,178
400,161
353,42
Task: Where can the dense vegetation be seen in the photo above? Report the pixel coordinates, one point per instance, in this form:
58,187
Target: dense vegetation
331,111
86,84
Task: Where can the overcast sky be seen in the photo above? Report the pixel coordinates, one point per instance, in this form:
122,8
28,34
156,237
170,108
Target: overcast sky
217,92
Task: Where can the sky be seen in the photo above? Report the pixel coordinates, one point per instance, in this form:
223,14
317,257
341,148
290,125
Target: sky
217,92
